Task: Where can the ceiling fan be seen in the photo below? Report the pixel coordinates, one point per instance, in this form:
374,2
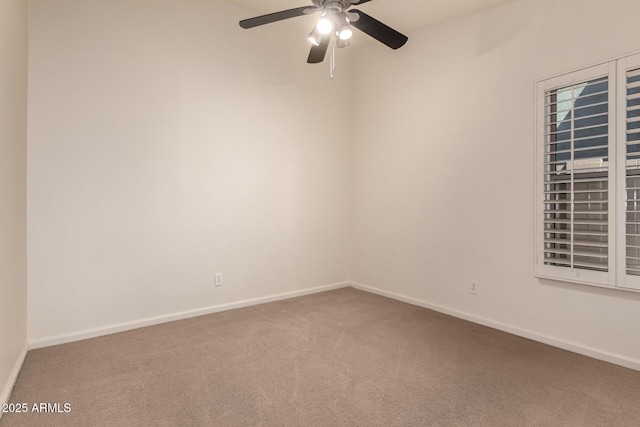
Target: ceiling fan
337,18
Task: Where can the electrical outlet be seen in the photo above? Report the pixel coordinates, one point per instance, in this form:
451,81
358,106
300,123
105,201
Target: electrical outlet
474,289
218,281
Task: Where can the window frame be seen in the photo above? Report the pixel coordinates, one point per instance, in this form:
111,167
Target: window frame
616,276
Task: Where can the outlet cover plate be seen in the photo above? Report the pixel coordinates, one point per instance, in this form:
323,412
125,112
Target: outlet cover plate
218,280
474,289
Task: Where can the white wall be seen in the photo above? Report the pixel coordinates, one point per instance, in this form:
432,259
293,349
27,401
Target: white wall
13,148
167,144
443,170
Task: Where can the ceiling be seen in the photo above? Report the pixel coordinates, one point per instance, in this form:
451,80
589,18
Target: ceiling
405,16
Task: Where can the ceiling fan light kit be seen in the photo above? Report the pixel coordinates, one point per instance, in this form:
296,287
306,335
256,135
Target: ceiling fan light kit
337,18
343,31
315,36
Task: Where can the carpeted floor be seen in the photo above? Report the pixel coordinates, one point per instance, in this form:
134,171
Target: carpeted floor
342,357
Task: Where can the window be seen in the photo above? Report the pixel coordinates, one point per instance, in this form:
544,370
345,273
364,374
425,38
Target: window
588,176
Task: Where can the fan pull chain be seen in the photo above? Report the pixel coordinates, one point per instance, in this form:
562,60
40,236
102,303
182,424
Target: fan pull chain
332,66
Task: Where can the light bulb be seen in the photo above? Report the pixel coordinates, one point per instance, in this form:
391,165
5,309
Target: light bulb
345,33
324,24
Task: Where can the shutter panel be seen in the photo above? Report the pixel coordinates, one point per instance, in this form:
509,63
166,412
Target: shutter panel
576,176
632,176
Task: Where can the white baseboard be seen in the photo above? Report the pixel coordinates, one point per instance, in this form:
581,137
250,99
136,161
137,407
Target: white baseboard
11,381
584,350
126,326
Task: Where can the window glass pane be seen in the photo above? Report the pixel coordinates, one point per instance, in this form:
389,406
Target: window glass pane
576,176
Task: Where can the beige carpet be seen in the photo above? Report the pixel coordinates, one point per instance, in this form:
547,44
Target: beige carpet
343,357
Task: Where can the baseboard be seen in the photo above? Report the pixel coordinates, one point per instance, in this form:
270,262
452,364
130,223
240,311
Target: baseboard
594,353
121,327
13,377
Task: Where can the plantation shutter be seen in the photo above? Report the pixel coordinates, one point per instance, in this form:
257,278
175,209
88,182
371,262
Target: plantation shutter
633,172
588,175
629,131
576,221
576,176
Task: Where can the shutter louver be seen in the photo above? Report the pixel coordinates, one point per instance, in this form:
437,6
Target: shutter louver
632,202
576,191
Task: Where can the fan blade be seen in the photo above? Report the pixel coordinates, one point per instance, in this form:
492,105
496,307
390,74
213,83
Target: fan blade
379,31
357,2
273,17
318,52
